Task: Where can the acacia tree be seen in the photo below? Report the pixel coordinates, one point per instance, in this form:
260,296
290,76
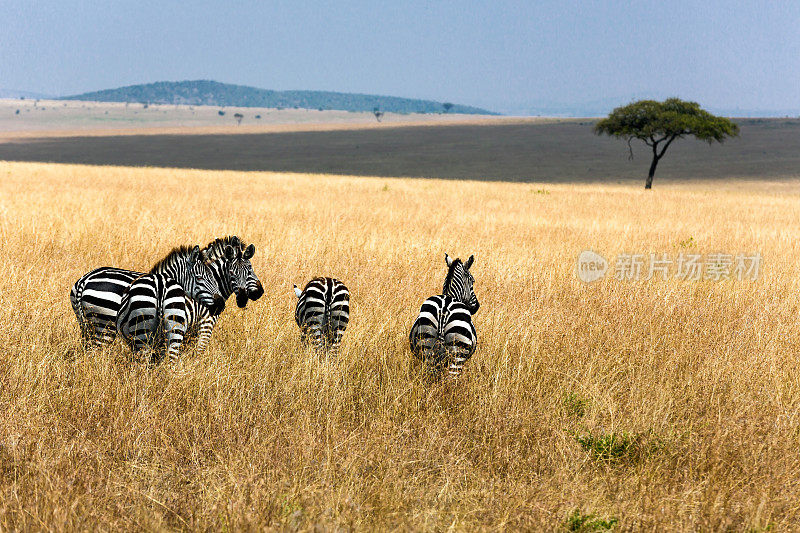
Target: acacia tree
657,124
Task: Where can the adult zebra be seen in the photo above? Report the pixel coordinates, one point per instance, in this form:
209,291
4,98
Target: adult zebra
234,276
97,295
323,312
158,309
443,334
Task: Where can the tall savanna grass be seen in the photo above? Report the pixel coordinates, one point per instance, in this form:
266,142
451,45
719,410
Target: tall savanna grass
666,405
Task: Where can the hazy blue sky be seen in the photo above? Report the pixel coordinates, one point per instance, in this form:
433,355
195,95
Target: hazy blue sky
504,55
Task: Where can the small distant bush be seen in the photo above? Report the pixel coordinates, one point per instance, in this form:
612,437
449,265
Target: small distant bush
575,405
258,116
16,112
757,529
221,113
613,447
588,522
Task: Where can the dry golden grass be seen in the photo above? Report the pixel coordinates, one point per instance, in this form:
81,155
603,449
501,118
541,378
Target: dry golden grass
257,434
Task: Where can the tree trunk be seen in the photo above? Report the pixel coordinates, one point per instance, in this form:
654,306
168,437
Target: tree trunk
649,183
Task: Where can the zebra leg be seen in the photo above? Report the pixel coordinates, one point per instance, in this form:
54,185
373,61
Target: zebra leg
335,343
94,332
312,336
174,332
315,337
457,359
458,352
88,338
336,332
140,341
104,335
206,327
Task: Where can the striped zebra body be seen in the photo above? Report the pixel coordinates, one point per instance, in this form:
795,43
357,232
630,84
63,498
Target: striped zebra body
155,314
159,309
443,334
323,312
96,297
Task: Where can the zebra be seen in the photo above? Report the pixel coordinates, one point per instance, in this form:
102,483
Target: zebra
443,334
235,275
323,312
158,309
96,296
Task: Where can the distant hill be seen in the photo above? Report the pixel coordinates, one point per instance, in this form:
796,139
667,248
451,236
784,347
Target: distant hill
205,92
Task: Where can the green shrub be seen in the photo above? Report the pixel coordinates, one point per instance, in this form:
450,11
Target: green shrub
613,447
575,405
588,522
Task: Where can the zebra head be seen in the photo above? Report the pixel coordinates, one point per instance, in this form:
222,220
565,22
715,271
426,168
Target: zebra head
459,281
254,289
191,268
244,281
236,274
201,284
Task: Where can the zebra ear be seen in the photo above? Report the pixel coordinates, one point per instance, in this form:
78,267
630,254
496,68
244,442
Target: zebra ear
194,255
249,251
448,260
297,291
230,253
469,262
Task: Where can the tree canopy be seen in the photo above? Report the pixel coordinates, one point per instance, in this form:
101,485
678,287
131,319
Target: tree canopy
657,124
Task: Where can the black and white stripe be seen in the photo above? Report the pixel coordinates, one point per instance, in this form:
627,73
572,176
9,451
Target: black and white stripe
323,312
229,261
443,334
158,309
97,295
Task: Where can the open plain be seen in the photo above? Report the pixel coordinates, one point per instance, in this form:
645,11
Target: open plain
532,149
670,405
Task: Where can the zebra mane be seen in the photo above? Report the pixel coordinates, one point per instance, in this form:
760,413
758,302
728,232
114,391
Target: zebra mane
216,248
450,273
177,252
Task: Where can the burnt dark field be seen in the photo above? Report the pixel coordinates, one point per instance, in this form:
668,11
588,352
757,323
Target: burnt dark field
565,151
